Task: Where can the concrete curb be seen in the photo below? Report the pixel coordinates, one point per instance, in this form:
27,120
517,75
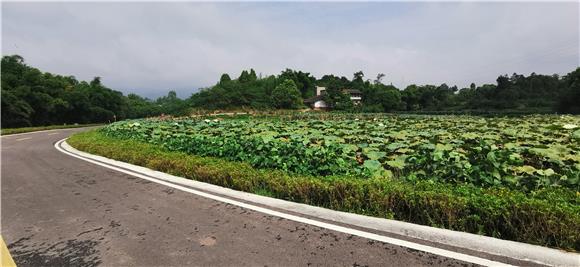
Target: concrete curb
478,243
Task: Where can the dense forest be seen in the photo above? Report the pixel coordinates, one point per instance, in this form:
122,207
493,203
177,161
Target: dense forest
31,97
34,98
511,94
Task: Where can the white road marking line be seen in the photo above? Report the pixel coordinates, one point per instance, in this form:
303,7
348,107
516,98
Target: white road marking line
53,133
342,229
22,139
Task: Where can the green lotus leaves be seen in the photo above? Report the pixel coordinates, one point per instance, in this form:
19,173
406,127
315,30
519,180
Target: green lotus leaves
443,147
397,163
396,145
372,165
470,136
526,169
547,172
575,135
375,155
524,153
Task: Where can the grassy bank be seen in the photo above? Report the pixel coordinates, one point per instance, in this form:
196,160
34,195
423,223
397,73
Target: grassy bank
548,217
10,131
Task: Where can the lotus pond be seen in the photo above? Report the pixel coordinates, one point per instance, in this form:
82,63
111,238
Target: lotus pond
522,153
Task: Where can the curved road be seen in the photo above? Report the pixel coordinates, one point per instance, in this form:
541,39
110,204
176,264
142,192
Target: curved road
58,210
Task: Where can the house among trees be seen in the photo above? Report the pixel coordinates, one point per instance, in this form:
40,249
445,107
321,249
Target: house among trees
318,102
355,95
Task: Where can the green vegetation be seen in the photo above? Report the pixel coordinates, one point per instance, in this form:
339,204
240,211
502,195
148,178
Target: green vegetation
33,98
42,128
511,178
546,217
526,153
286,95
515,94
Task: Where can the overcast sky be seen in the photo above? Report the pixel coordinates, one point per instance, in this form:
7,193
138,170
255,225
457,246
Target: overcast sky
149,48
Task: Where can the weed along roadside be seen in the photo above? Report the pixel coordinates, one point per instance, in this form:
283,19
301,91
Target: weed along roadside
543,215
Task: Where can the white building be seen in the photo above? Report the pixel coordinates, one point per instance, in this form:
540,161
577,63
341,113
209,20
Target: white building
317,102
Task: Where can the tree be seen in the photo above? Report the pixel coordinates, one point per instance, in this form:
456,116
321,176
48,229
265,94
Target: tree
172,105
225,78
286,95
303,80
328,80
246,76
15,111
379,78
358,76
520,93
96,82
31,97
252,75
139,107
382,98
410,97
569,102
335,98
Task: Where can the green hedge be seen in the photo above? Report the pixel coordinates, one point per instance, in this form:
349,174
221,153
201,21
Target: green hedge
549,217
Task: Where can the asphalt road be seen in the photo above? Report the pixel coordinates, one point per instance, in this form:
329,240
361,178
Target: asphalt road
58,210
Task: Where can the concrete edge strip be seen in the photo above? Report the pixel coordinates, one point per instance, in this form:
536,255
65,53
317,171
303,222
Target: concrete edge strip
489,245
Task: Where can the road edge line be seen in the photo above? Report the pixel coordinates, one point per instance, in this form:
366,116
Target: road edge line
473,242
5,256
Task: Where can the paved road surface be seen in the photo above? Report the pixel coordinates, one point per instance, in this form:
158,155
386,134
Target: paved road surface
58,210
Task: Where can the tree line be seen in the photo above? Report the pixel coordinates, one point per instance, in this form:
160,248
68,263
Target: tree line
517,93
31,97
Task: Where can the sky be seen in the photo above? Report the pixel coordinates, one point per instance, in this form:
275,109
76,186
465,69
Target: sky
150,48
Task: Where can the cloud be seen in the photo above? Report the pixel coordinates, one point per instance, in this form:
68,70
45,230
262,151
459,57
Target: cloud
149,48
